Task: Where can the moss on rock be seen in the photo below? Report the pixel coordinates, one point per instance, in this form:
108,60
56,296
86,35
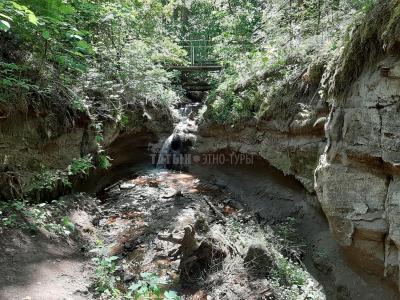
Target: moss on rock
377,34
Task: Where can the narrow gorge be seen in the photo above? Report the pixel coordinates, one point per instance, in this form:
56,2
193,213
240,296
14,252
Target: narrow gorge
199,150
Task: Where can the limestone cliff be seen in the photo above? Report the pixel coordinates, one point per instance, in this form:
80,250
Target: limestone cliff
294,153
357,179
290,136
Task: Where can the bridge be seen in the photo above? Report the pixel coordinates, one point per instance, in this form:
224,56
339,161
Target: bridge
200,56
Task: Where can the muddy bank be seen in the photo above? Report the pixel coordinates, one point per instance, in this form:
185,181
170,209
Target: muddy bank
38,261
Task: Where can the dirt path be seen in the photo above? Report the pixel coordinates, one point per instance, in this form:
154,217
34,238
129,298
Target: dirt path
35,267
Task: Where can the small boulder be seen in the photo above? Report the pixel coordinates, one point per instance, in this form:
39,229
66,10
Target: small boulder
201,224
258,260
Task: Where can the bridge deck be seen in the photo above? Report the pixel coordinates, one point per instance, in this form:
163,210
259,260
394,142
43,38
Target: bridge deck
197,68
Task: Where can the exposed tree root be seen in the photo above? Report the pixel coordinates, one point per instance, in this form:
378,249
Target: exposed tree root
11,185
198,254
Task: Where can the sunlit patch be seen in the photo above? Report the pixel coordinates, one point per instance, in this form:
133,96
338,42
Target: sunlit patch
183,182
131,214
111,220
136,259
228,210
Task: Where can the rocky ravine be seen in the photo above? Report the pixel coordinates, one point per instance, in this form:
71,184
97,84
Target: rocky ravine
356,179
353,166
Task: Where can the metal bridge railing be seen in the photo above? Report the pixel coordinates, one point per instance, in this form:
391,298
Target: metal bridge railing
200,52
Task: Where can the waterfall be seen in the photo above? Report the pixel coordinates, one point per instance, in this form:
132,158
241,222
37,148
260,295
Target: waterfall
178,144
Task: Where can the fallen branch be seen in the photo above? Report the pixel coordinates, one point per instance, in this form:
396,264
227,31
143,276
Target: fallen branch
216,211
109,188
11,182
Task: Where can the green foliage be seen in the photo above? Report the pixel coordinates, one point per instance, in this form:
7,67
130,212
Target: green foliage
229,103
117,48
265,48
288,273
287,229
106,267
287,278
68,224
4,25
171,295
24,215
108,283
80,165
53,51
120,49
49,180
150,287
124,121
79,104
48,29
131,48
104,162
376,34
367,5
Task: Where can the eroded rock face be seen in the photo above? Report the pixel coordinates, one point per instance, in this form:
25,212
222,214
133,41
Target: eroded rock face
357,179
46,140
292,148
33,142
